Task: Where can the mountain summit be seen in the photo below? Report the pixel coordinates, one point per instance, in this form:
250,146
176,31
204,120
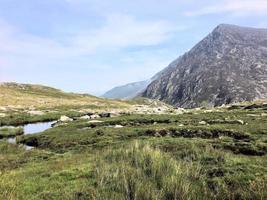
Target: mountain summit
229,65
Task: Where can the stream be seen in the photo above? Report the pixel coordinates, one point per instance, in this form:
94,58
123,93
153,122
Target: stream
33,128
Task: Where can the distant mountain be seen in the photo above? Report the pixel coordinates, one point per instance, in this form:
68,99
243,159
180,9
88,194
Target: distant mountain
127,91
135,89
229,65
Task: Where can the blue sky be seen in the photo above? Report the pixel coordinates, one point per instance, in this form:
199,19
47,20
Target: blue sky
91,46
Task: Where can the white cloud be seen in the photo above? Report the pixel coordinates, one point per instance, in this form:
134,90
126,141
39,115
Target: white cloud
236,7
119,31
122,31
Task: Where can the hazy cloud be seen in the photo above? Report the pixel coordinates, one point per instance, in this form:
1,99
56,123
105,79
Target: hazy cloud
235,7
119,31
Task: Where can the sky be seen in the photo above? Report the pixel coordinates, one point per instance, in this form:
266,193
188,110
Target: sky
90,46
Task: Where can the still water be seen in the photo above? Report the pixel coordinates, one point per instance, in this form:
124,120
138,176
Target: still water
32,129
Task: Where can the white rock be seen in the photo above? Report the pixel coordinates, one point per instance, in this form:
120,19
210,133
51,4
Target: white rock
2,114
208,111
3,108
241,121
65,119
179,111
36,112
94,116
253,115
118,126
202,123
85,117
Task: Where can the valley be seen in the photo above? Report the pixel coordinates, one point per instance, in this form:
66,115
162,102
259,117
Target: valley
137,149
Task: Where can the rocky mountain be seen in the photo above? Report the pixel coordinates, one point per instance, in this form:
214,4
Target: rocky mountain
229,65
127,91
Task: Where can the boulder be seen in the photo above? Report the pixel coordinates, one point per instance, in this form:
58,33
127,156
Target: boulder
35,112
95,116
65,119
118,126
2,114
85,117
240,121
202,123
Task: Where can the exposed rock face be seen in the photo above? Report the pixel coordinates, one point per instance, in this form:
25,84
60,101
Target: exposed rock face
229,65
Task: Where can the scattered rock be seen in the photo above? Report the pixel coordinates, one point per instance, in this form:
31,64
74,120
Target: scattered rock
35,112
202,123
240,121
2,114
181,125
208,111
95,116
253,115
3,108
85,117
180,111
65,119
118,126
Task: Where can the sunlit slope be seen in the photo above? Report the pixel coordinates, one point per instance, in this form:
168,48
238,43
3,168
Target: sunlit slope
26,95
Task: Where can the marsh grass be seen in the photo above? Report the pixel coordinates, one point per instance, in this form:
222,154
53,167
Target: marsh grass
11,132
150,157
141,171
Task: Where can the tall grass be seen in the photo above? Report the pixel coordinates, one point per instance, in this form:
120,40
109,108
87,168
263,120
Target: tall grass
142,172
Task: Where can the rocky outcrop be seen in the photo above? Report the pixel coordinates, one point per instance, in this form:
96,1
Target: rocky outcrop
229,65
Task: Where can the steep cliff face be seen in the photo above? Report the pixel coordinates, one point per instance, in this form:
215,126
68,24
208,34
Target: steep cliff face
229,65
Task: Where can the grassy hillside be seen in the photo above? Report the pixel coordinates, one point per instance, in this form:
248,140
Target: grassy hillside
201,154
42,97
25,103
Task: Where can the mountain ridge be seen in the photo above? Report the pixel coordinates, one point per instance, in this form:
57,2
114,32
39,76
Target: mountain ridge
228,65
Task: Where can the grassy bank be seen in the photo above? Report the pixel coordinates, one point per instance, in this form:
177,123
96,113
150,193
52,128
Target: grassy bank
6,132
